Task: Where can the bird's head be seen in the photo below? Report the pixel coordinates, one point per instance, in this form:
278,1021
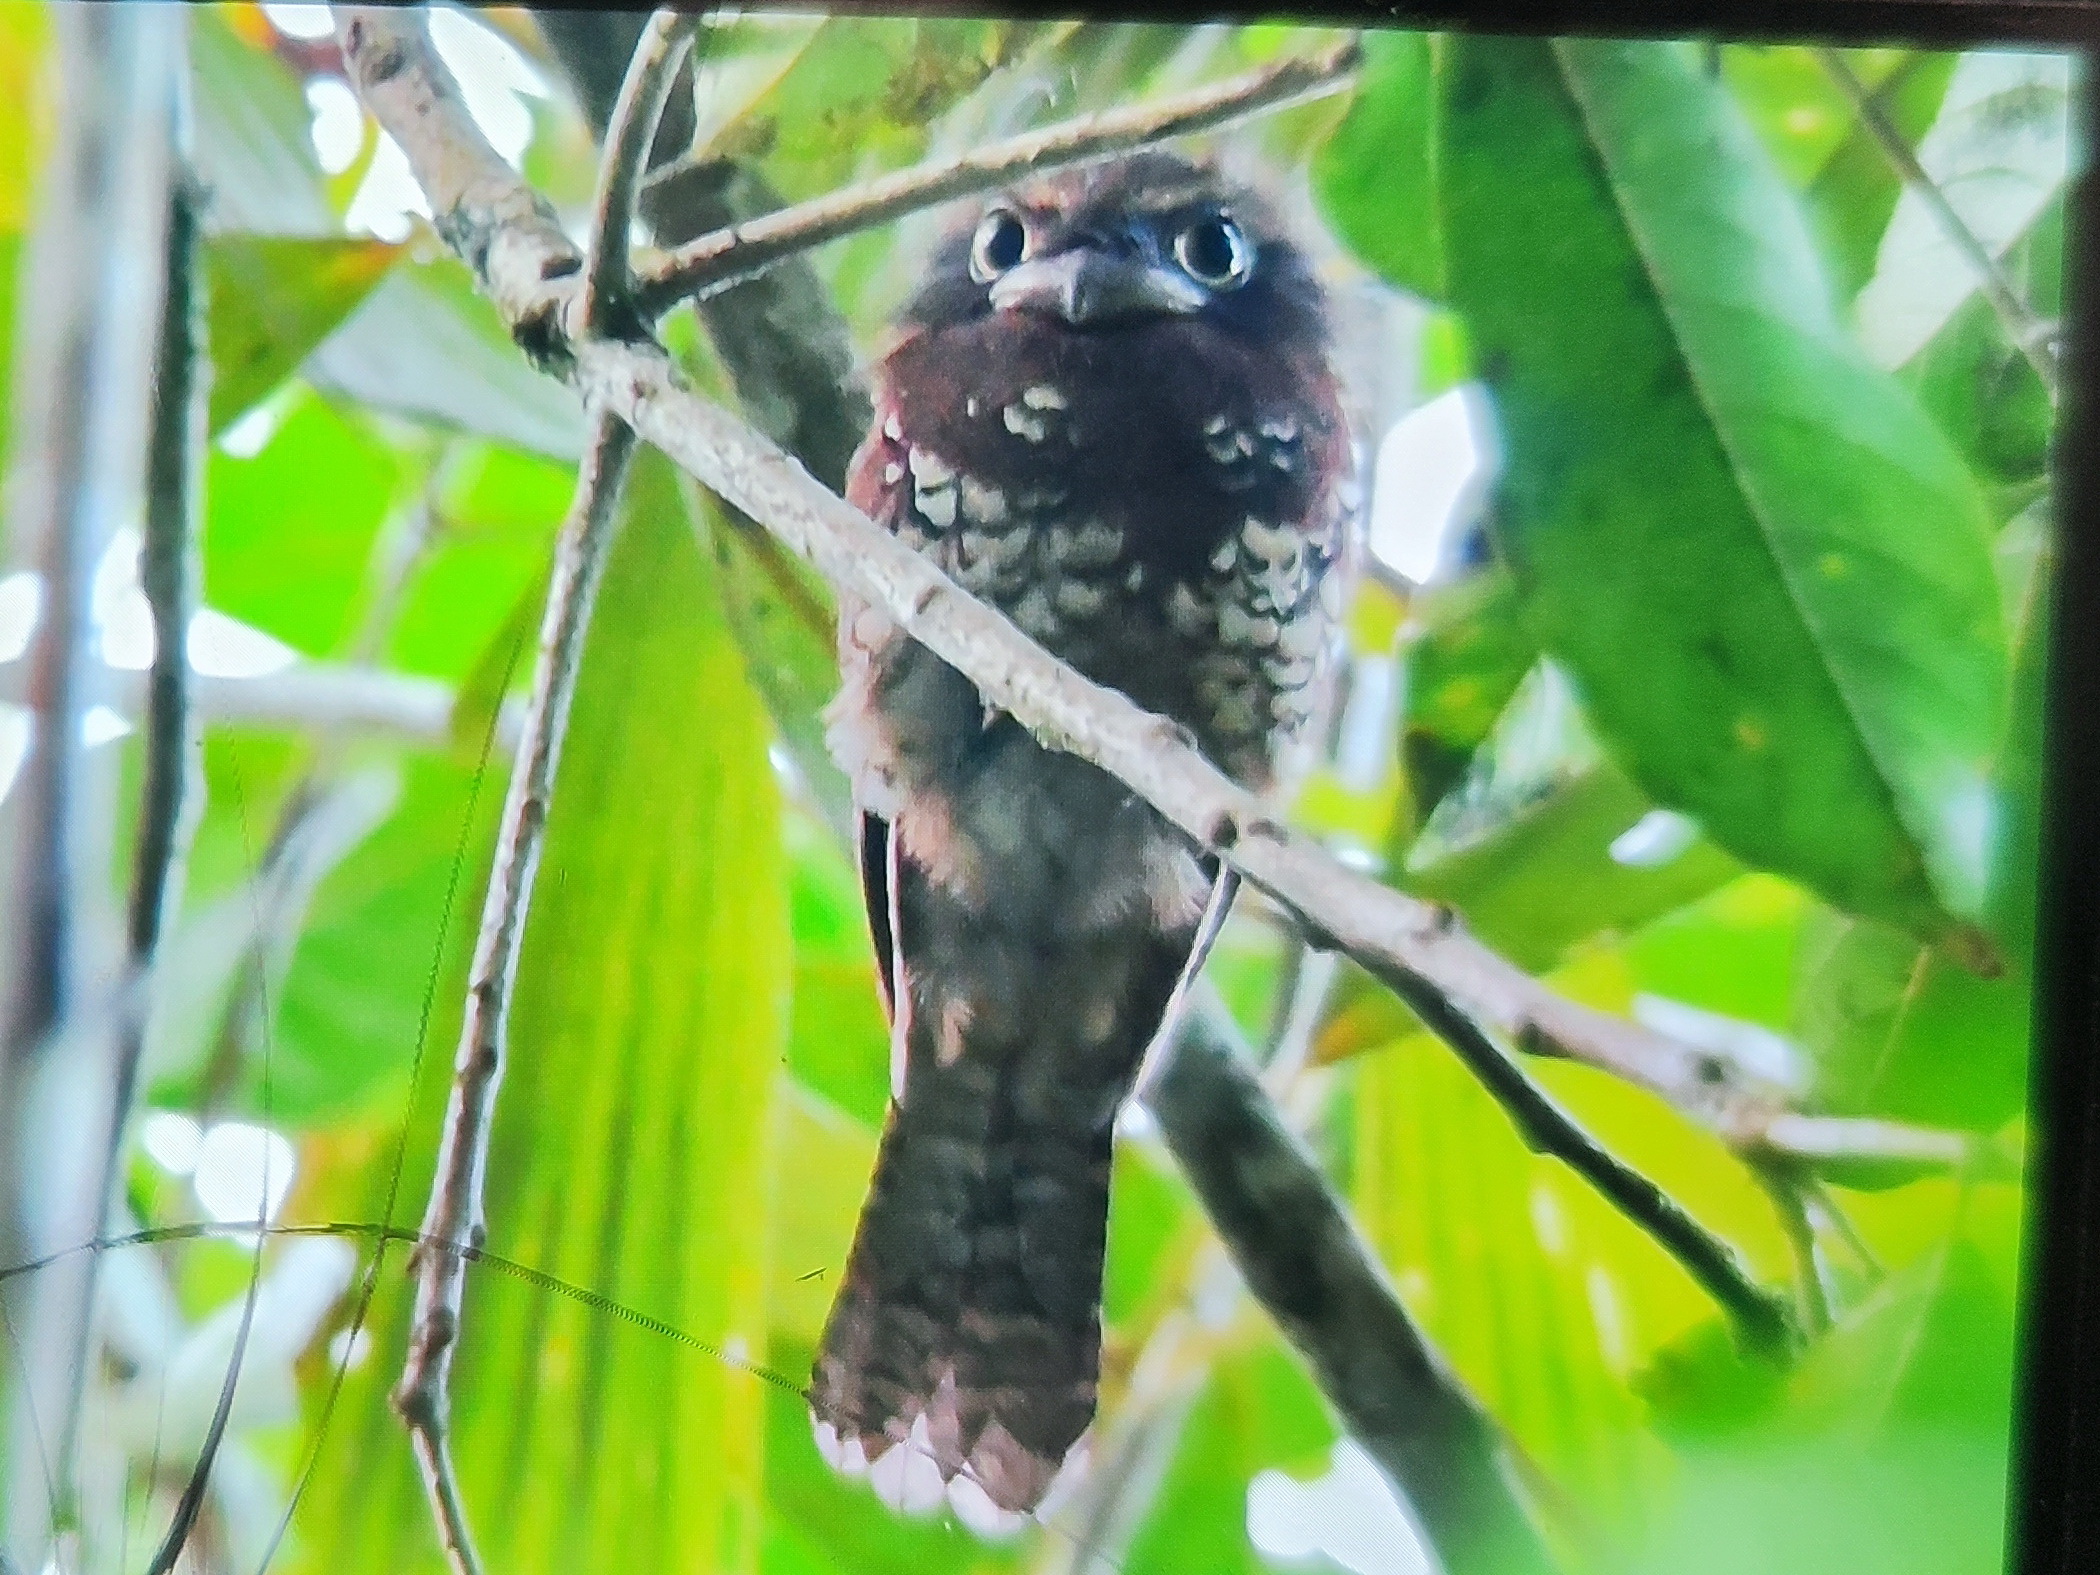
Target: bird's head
1142,240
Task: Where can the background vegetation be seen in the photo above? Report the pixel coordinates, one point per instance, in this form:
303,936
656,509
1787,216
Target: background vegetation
1722,712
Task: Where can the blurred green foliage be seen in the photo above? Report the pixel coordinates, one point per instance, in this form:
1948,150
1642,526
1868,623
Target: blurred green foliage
1741,573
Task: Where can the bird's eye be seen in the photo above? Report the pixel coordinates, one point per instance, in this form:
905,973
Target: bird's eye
1215,252
1001,241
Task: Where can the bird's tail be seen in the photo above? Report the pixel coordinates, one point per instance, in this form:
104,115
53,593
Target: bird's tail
962,1355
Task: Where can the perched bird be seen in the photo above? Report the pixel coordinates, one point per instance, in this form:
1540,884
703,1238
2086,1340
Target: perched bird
1108,412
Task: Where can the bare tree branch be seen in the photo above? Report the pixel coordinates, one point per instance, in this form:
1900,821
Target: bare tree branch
454,1219
1305,1263
2033,338
715,261
608,283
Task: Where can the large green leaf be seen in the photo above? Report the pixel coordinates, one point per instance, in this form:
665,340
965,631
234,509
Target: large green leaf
631,1141
289,530
1550,877
426,346
1883,1454
1895,1029
1766,569
1510,1269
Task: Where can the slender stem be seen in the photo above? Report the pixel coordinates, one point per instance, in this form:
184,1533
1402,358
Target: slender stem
1812,1290
608,283
455,1221
713,262
2030,336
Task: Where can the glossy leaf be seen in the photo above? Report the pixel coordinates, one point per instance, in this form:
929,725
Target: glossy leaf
1766,570
1376,177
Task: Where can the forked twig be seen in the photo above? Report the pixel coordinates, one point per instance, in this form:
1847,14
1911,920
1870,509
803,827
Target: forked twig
608,282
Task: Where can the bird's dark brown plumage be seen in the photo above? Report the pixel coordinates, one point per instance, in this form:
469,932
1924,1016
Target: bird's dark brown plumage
1109,413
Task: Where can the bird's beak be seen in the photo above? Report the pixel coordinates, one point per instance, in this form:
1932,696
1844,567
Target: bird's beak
1087,287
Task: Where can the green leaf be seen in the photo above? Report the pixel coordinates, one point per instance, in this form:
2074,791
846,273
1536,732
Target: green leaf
1549,877
631,1143
1898,1031
254,139
272,301
1537,1295
1886,1454
1999,153
1986,394
1376,177
1766,569
428,347
1797,112
1854,194
1455,680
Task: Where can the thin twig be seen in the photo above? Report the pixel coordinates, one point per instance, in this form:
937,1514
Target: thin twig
1326,1290
454,1217
517,249
716,261
2029,334
1763,1317
608,283
170,798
